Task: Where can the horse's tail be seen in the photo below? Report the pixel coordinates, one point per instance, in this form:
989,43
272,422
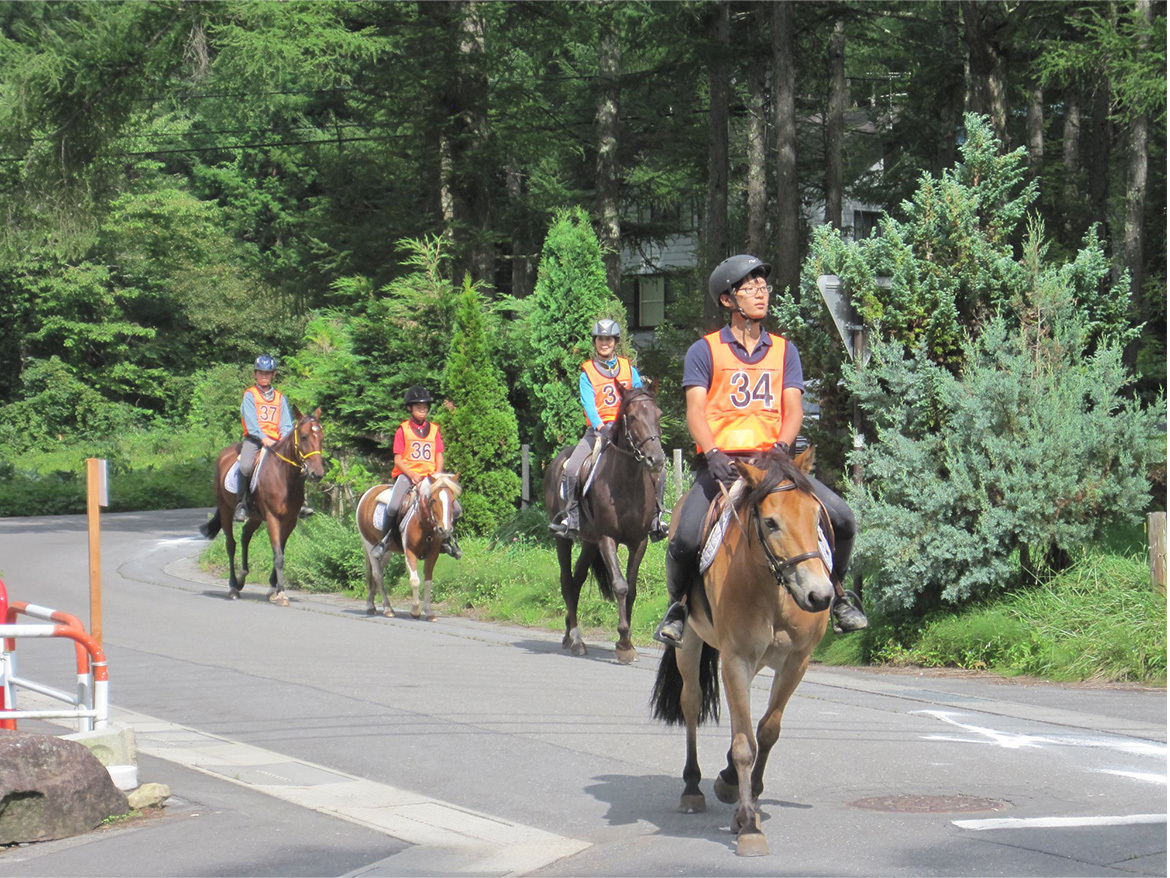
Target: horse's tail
666,697
212,527
601,574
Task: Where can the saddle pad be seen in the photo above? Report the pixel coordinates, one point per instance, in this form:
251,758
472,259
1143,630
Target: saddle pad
714,538
379,514
231,479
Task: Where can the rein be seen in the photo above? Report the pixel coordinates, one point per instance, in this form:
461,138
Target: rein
780,566
635,449
296,450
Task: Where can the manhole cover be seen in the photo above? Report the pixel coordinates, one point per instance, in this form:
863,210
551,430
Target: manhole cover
930,804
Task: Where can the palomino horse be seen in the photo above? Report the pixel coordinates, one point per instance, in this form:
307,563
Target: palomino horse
427,519
619,508
761,603
277,500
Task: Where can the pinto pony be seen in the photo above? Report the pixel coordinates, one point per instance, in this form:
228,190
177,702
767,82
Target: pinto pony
619,508
762,602
280,492
426,521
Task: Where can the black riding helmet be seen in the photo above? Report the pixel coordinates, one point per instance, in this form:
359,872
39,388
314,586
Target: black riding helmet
417,394
729,273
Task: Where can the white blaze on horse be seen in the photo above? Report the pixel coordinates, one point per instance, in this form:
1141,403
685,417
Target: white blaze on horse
763,602
426,520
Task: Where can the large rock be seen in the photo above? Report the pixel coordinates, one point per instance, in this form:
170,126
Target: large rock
52,788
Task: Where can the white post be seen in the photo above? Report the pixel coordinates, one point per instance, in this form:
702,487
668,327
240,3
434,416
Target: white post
677,460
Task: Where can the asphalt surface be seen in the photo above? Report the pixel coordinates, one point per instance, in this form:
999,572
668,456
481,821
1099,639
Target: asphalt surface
313,740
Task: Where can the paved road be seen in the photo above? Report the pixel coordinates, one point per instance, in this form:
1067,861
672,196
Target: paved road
312,740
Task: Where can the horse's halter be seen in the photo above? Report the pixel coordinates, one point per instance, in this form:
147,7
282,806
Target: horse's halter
780,567
302,460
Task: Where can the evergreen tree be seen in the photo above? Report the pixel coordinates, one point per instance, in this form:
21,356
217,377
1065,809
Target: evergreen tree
571,294
481,435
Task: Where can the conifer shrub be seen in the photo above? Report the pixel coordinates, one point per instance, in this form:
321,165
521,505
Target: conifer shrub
482,439
571,294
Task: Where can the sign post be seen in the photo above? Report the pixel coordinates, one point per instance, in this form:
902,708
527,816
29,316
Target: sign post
96,494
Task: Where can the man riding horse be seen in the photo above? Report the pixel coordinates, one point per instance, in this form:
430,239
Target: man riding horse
743,390
418,454
267,418
600,401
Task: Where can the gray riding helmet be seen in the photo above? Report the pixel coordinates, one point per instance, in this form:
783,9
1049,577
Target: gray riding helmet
729,273
606,328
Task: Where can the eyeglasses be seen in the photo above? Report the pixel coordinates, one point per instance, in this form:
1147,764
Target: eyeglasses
751,286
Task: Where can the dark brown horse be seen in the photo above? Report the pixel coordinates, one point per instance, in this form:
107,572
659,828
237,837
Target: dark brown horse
618,508
428,516
762,602
277,500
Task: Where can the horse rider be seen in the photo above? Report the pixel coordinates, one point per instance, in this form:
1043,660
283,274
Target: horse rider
743,390
418,454
600,400
267,417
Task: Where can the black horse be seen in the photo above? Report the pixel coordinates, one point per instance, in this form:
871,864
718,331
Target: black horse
619,508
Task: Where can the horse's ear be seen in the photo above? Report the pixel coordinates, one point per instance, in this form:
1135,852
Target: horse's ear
621,390
750,474
317,413
296,413
805,460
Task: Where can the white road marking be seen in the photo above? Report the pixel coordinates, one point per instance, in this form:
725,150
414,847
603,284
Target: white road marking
1057,822
1012,741
460,839
1136,775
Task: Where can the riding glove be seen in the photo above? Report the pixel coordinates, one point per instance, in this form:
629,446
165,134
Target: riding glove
721,466
781,450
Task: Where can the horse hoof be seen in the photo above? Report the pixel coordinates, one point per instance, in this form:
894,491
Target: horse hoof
233,594
566,642
727,793
415,613
627,655
578,649
695,803
751,844
279,598
370,611
389,613
431,617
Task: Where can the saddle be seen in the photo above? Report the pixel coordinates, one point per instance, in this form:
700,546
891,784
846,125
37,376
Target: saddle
406,511
231,478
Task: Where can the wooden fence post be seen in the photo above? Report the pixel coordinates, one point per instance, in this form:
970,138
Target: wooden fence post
524,496
1156,524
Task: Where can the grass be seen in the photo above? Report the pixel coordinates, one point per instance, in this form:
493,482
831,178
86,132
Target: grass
1100,620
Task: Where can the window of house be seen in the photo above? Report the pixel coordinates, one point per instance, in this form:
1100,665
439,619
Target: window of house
651,300
865,223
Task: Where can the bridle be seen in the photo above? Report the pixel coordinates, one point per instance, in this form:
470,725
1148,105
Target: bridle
781,567
635,450
302,459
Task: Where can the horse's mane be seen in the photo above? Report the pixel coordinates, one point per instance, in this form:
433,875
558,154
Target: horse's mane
633,395
445,480
776,469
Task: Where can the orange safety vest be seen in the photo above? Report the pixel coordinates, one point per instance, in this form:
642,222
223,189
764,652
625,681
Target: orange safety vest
420,455
605,395
267,412
744,401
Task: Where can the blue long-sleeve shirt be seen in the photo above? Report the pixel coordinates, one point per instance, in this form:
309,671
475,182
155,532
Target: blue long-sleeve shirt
252,422
589,398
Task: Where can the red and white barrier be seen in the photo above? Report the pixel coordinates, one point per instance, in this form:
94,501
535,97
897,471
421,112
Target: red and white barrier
90,705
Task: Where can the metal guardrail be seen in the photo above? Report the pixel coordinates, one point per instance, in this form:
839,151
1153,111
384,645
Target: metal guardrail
89,705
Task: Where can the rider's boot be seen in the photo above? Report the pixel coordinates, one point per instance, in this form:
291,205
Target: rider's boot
568,522
660,528
451,547
379,548
670,629
241,513
847,613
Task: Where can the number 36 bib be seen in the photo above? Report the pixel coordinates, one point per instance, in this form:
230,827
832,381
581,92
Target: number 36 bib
744,399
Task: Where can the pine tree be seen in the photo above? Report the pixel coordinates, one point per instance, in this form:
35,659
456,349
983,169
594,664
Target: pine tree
571,294
482,439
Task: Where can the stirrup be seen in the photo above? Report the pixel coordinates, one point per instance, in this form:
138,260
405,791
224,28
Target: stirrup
241,513
676,612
